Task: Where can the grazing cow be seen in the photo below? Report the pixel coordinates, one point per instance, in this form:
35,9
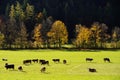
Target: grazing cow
27,61
20,68
56,60
43,69
35,60
64,61
92,70
4,59
89,59
106,60
9,66
43,62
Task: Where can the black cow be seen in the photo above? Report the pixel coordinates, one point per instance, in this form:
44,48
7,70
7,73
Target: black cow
56,60
9,66
27,61
20,68
35,60
4,59
92,70
64,61
43,69
43,62
89,59
106,60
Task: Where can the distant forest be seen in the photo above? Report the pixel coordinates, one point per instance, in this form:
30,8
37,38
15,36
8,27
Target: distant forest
74,12
72,15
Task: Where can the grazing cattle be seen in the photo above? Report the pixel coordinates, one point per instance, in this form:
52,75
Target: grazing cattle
43,69
89,59
106,60
43,62
64,61
56,60
20,68
92,70
9,66
4,59
35,60
27,62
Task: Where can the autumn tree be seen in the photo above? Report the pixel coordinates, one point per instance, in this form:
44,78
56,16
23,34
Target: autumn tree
37,36
46,26
83,36
99,34
103,34
11,28
1,39
116,35
58,34
21,40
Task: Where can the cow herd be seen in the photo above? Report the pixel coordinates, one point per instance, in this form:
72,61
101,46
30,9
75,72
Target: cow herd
91,59
46,62
30,61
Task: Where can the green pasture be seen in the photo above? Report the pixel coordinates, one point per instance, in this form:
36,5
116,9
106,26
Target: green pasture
75,69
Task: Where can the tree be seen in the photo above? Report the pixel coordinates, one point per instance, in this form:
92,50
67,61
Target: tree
11,29
19,13
21,40
96,34
37,36
12,12
103,34
99,34
46,26
58,34
116,35
1,39
29,11
83,36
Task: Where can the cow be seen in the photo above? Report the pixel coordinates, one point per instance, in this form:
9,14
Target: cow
27,61
9,66
35,60
64,61
20,68
106,60
43,62
92,70
56,60
43,69
4,59
89,59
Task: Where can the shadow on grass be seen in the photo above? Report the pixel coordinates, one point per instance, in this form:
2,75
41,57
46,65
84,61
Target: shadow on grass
18,70
67,49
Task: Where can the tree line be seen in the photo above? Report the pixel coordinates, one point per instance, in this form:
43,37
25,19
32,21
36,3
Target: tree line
16,31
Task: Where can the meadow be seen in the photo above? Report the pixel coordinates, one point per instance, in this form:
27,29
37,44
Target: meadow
75,69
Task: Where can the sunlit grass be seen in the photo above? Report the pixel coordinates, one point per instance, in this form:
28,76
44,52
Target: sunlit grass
75,69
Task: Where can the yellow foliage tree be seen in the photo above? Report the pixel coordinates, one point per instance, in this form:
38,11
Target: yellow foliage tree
58,34
37,36
83,37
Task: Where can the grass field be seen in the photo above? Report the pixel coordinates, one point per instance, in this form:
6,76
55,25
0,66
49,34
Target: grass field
75,69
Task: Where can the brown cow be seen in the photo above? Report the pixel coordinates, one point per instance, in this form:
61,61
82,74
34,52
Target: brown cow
43,69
